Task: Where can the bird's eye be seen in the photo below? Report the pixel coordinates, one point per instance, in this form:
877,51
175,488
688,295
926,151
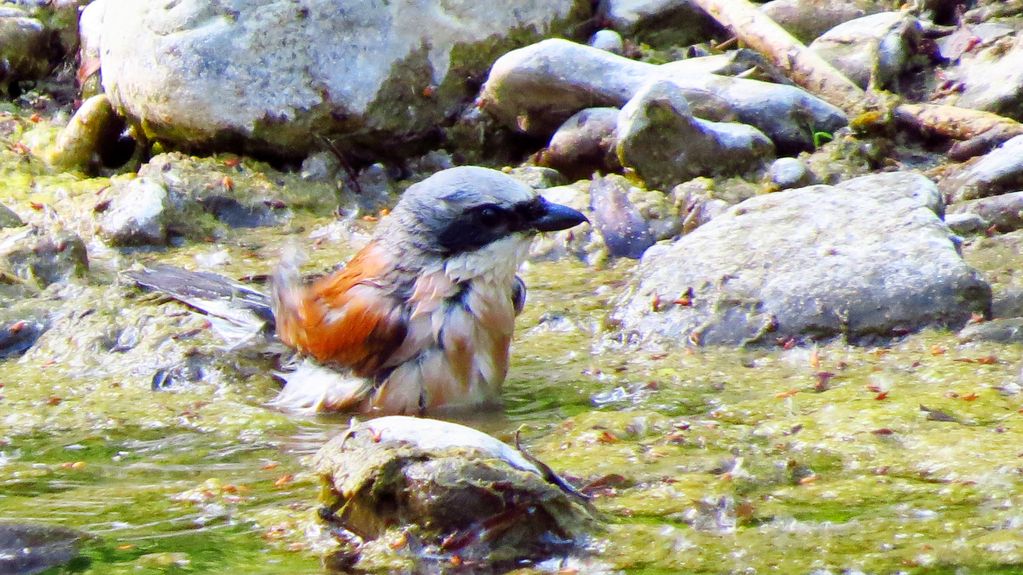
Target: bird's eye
489,216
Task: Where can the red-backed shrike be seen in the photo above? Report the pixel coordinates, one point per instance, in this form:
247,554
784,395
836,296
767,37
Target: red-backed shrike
420,320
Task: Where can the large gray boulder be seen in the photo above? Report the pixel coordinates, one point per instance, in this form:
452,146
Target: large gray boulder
273,76
869,258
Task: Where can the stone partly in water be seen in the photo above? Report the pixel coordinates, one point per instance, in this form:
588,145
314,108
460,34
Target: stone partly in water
26,549
269,76
80,143
535,89
661,140
867,259
625,231
453,490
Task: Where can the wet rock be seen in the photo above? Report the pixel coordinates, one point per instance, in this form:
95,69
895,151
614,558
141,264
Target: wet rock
1007,303
137,215
45,257
966,223
268,74
1003,330
808,19
78,145
538,178
9,219
584,144
26,549
238,215
608,40
992,78
658,22
866,259
786,173
374,188
24,47
698,203
205,194
621,225
626,219
998,172
971,39
659,138
583,242
455,490
535,89
18,335
1005,212
321,167
874,50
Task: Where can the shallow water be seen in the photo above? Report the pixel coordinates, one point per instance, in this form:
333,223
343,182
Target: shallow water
907,458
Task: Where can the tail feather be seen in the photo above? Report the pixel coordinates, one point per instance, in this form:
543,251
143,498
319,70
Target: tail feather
313,388
238,313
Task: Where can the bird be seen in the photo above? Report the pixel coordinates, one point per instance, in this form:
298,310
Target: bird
419,321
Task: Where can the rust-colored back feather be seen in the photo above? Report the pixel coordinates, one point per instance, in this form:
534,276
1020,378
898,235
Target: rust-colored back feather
345,318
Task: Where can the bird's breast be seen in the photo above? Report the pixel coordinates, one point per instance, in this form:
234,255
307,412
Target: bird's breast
455,353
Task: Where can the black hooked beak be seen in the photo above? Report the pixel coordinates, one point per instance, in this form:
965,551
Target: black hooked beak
551,217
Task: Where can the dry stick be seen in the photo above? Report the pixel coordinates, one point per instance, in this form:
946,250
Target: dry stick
807,69
804,66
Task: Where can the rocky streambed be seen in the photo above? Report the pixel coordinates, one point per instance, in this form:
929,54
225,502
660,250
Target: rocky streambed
789,341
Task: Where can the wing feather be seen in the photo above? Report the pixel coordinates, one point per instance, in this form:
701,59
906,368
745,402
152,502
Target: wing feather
346,318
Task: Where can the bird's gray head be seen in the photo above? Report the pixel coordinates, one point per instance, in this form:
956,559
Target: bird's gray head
466,208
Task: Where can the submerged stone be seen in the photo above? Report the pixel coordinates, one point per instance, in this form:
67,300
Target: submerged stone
26,549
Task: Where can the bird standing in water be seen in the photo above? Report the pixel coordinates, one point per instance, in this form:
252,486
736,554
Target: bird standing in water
421,319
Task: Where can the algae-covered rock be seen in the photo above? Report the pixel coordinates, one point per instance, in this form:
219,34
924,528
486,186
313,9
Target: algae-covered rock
455,490
44,256
78,144
9,219
869,258
138,214
24,47
660,139
271,76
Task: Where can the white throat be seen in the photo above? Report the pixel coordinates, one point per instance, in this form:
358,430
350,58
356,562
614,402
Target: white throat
497,261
